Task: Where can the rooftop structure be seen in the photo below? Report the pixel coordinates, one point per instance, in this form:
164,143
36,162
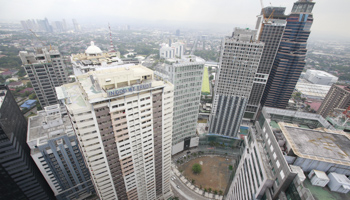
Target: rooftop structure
54,149
94,58
312,91
320,77
186,75
122,118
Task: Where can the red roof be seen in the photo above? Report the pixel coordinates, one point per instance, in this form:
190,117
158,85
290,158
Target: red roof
26,90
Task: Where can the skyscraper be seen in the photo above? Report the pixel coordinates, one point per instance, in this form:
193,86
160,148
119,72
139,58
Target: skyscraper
239,62
46,70
76,26
290,59
54,149
186,75
338,97
20,177
271,32
123,119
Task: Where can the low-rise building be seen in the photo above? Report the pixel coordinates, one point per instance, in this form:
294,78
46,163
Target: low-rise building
320,77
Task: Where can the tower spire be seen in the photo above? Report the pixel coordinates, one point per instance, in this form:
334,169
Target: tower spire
111,47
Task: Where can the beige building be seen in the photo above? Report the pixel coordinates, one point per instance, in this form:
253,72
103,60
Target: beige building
123,120
337,97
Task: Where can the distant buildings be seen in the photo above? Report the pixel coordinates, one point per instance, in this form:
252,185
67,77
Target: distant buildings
94,59
338,97
54,149
171,50
290,59
122,118
46,70
320,77
76,26
239,62
186,75
20,177
177,33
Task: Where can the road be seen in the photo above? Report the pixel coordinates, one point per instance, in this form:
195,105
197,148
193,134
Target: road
184,193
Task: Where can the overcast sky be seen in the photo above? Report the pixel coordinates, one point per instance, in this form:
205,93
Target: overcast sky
330,16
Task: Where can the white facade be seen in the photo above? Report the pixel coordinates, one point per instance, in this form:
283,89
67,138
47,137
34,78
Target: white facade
186,75
123,120
176,50
320,77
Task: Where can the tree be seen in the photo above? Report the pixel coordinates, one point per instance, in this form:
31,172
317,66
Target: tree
32,96
210,68
209,189
196,168
220,192
29,85
193,181
230,167
215,192
211,77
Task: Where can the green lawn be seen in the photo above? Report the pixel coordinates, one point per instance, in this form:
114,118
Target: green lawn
205,83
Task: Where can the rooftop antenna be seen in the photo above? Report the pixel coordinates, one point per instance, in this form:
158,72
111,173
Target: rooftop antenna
111,47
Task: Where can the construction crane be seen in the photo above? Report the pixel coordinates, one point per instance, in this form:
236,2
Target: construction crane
39,38
265,20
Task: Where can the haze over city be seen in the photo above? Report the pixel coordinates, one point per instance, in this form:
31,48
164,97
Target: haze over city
222,15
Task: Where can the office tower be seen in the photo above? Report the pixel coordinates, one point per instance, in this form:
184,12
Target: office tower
285,146
20,178
123,121
271,32
186,75
46,70
239,61
93,59
54,149
76,26
290,58
171,50
338,97
58,26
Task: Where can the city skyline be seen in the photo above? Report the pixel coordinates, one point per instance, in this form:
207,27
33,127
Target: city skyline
222,15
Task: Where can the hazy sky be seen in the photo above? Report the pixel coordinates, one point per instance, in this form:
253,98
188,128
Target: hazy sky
330,16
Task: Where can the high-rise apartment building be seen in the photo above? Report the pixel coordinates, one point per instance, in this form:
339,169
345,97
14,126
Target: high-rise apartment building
338,97
123,121
239,62
46,70
20,178
76,25
55,150
271,32
186,75
290,59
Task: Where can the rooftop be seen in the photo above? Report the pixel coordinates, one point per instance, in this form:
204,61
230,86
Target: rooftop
314,90
325,145
46,125
320,73
96,86
323,193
